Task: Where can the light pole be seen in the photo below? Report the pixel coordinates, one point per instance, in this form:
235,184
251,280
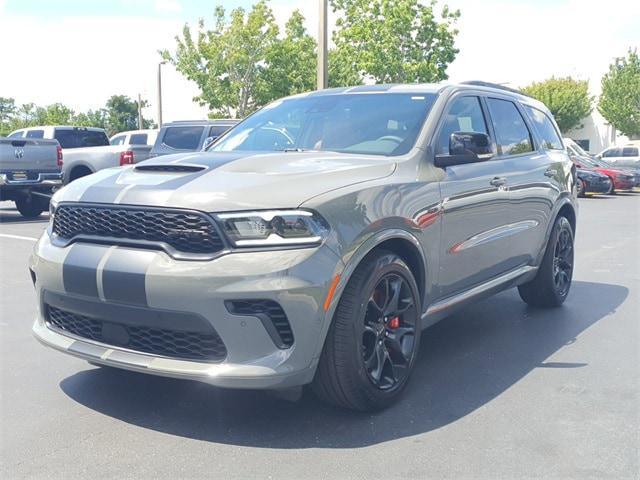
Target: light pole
323,80
160,92
140,125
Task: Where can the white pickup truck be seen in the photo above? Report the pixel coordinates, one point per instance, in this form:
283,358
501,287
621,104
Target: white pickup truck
87,149
29,172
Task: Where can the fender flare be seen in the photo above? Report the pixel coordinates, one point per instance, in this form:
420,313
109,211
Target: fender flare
565,200
351,263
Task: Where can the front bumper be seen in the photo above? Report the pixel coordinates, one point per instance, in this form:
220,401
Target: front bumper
623,184
298,280
597,184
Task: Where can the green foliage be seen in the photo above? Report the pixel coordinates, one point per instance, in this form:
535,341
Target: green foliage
566,98
290,63
620,99
119,114
393,41
228,62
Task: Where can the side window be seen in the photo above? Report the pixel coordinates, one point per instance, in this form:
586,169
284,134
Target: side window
512,134
544,125
119,140
138,139
17,134
185,138
35,134
218,130
612,152
629,152
463,115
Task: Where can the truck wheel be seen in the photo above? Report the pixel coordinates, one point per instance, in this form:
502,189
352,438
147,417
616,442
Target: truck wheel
373,341
551,285
30,206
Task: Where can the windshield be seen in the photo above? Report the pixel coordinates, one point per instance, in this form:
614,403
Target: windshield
378,124
576,146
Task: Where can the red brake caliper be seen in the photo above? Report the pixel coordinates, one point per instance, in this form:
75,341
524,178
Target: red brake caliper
394,322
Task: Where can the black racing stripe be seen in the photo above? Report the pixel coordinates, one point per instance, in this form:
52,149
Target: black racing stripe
123,277
79,269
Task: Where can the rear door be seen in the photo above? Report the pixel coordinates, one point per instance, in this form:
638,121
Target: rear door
475,205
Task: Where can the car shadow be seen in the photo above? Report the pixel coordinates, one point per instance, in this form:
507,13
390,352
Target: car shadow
466,361
11,215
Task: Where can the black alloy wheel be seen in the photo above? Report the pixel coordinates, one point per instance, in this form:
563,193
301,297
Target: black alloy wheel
388,338
563,262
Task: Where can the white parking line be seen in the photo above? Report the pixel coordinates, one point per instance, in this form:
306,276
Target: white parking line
18,237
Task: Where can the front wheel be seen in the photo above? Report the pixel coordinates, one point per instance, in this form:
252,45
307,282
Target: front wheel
550,287
373,341
612,188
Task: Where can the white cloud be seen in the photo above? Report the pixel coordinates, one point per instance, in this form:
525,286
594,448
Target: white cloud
168,6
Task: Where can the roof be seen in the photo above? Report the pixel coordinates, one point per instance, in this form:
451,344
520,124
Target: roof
63,127
220,121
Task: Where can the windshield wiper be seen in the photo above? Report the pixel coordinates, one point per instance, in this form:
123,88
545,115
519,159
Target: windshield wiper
287,150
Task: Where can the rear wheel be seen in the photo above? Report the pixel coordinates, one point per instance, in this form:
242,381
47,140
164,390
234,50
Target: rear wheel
30,206
373,341
551,285
582,188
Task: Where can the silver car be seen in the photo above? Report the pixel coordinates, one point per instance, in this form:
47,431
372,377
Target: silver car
314,242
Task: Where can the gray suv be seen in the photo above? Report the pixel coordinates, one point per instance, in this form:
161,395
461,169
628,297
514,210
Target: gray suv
189,135
314,242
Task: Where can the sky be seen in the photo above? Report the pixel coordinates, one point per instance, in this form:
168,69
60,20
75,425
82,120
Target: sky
80,52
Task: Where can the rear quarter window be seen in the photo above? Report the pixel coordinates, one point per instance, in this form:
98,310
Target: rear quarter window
629,152
546,130
183,138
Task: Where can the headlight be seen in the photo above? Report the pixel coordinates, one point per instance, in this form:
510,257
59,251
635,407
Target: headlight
273,228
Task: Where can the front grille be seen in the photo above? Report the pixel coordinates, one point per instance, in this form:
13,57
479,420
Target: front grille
157,341
184,231
270,313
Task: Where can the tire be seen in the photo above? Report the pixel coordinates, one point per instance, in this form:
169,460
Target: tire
612,188
582,189
371,346
30,206
550,287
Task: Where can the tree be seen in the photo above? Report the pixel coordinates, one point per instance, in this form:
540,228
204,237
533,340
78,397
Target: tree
290,63
92,118
620,99
120,114
7,112
227,62
393,41
566,98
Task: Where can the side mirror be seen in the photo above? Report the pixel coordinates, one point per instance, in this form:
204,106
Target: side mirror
207,143
466,147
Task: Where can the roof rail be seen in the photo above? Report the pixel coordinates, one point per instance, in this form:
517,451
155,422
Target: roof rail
479,83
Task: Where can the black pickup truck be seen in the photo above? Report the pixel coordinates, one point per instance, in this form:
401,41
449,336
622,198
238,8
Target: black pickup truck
30,170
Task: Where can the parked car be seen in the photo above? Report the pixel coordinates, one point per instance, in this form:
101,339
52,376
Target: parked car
592,181
620,179
627,156
314,241
135,137
189,135
29,171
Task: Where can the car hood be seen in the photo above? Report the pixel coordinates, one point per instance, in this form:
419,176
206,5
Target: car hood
228,181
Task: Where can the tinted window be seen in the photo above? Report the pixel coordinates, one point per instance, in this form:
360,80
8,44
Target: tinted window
464,115
629,152
119,140
548,134
613,152
377,124
218,130
35,134
187,138
512,134
17,134
80,138
138,139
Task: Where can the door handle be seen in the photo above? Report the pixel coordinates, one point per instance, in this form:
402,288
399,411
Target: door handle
551,172
498,181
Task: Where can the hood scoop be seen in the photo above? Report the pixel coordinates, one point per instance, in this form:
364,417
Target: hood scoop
172,168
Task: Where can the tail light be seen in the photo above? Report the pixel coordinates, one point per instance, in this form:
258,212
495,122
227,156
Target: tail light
126,158
59,160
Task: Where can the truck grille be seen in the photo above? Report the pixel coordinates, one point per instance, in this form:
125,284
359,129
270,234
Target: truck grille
157,341
185,231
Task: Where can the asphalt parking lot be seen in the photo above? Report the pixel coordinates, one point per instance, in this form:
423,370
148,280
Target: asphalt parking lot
500,391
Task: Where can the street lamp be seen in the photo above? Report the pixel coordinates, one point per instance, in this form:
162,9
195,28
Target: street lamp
160,92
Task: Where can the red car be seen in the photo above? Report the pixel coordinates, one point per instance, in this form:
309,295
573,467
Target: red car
620,179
